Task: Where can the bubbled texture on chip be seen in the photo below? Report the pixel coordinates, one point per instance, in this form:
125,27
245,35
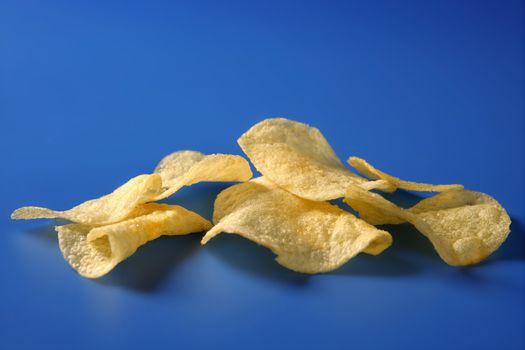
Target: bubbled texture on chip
285,210
464,226
108,209
94,251
307,236
173,172
297,158
184,168
373,208
372,173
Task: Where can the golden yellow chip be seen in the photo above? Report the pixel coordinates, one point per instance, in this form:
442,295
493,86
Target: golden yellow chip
372,173
184,168
174,171
464,226
373,208
94,251
307,236
104,210
298,158
285,210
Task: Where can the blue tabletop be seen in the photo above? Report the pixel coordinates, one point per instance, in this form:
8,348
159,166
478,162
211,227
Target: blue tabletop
93,93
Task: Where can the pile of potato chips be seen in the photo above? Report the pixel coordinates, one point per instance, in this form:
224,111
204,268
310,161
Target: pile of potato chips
287,209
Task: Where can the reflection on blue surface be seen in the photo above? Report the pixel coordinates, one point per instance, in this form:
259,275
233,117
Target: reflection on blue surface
93,93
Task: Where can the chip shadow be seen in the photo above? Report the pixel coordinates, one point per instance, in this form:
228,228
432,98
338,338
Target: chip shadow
45,232
199,198
396,260
249,257
514,247
147,269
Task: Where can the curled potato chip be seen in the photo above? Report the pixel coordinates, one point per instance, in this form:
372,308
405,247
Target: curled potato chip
298,158
469,225
307,236
94,251
464,226
369,171
184,168
108,209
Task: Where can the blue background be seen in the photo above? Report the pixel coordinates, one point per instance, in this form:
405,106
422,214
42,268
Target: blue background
93,93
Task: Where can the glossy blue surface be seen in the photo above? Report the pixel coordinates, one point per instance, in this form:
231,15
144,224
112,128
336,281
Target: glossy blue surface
93,93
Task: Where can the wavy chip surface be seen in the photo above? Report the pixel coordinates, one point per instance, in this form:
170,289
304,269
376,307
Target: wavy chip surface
465,227
298,158
94,251
173,172
285,210
307,236
372,173
110,208
184,168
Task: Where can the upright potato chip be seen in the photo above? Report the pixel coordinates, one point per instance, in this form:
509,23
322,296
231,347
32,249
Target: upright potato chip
307,236
297,158
465,227
94,251
369,171
184,168
108,209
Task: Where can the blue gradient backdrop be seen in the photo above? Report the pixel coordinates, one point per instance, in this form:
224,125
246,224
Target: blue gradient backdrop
95,92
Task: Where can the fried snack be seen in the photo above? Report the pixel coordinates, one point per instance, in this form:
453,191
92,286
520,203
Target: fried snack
307,236
108,209
373,208
465,227
184,168
372,173
173,172
298,158
94,251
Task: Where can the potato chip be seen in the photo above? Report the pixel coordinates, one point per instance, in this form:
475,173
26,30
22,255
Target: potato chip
298,158
104,210
373,208
94,251
372,173
307,236
184,168
174,171
464,226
